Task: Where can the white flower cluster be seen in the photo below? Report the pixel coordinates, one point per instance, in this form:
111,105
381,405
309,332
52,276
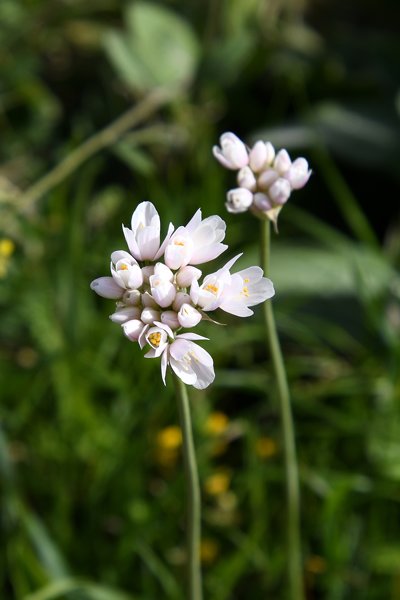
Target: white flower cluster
158,290
265,178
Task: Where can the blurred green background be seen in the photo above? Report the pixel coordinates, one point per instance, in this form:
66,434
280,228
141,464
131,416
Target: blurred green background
92,489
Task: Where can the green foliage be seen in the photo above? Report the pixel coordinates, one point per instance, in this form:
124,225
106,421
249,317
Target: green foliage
91,503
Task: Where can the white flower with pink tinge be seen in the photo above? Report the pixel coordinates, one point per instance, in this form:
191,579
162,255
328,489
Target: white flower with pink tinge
143,238
232,293
189,361
196,243
265,179
158,293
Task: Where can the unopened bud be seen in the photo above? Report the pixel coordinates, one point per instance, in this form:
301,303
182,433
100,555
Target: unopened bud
298,174
266,179
125,313
262,202
170,318
279,192
149,315
238,200
188,316
246,179
282,162
186,275
233,153
133,329
180,298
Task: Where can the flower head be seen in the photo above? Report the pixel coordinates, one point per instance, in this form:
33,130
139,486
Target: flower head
265,178
162,296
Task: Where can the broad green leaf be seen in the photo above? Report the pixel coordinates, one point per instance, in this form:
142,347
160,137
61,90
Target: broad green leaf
158,49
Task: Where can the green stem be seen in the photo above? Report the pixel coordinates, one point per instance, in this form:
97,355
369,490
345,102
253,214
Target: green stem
104,138
193,496
291,469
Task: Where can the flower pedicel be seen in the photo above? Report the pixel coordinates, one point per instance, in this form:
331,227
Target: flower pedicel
159,293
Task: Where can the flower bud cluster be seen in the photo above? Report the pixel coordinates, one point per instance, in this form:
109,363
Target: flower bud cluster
265,178
158,290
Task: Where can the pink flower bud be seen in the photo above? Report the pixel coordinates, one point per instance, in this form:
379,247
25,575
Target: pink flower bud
170,318
180,298
246,179
298,174
282,162
279,191
186,275
188,316
238,200
132,297
149,315
262,202
233,153
133,329
266,179
125,313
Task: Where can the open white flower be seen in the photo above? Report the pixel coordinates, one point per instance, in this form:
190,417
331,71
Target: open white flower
189,361
208,295
125,270
197,242
143,238
246,288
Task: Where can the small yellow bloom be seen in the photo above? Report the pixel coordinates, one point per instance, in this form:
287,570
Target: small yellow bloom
266,447
217,483
7,247
217,423
316,564
209,550
170,438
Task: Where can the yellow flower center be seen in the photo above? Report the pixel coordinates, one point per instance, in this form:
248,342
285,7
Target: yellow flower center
155,338
123,267
211,288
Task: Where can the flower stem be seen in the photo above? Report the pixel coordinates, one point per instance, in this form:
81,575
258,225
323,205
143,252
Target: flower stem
193,495
296,591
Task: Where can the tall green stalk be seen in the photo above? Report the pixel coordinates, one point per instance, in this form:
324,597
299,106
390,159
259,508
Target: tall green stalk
296,591
193,495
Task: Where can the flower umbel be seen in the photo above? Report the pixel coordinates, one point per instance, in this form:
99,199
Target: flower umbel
158,293
265,179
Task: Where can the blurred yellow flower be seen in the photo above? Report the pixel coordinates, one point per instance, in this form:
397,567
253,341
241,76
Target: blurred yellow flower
266,447
7,247
209,550
217,483
168,442
217,423
169,438
316,564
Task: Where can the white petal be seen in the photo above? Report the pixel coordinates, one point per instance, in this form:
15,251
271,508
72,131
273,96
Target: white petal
131,241
165,242
164,363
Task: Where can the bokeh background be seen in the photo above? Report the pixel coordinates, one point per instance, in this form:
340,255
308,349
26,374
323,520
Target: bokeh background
92,489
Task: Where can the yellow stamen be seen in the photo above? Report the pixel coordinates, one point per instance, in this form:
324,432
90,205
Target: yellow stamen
123,267
211,288
245,291
155,339
247,280
177,243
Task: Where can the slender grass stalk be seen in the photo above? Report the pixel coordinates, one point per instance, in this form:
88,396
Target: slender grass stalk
296,591
193,495
100,140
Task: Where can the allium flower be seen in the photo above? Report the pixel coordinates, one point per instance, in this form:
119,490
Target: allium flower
233,153
156,301
265,178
